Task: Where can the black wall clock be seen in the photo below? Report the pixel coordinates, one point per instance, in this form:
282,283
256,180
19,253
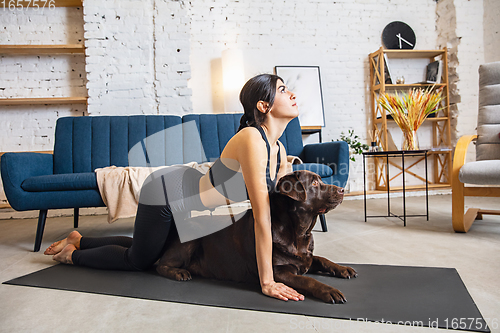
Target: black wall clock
398,35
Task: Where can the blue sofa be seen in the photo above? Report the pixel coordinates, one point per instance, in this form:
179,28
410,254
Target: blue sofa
66,178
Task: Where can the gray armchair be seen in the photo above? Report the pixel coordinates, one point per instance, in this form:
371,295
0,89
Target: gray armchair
486,169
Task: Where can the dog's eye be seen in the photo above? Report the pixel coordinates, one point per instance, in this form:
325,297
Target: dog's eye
315,183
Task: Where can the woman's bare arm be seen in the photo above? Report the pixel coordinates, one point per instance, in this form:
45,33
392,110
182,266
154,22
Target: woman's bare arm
253,161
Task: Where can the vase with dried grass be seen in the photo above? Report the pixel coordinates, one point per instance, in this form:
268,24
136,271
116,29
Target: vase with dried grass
410,109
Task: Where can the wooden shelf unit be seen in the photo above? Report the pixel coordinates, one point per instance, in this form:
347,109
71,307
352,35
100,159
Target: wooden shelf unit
35,50
441,133
42,101
68,3
38,50
42,49
42,4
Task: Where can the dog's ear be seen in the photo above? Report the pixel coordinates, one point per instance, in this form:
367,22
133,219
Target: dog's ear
291,186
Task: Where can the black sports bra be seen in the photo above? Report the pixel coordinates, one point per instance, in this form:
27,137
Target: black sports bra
230,183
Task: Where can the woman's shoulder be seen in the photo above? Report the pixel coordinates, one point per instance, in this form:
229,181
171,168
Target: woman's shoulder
248,134
249,131
247,141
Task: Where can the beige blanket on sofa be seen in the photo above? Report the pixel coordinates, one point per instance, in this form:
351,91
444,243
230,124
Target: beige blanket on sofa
120,186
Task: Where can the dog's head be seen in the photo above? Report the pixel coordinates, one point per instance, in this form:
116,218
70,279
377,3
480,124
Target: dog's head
309,192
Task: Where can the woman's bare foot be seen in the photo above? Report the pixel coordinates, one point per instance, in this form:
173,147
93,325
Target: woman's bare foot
65,255
73,238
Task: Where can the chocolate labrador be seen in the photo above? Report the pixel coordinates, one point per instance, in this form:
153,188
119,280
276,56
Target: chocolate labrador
229,254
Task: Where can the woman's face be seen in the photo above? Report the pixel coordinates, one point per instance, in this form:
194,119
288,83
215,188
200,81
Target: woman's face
284,102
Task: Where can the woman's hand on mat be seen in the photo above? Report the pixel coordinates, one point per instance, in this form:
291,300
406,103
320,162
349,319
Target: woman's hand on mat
281,291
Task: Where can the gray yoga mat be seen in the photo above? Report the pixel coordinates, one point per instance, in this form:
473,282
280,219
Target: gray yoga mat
412,296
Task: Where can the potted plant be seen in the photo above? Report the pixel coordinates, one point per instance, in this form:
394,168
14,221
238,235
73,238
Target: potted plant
410,109
355,145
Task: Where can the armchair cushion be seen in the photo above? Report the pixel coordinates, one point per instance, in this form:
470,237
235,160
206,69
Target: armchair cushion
488,120
61,182
481,173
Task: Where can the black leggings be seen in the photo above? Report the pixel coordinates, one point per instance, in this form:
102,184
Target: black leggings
152,223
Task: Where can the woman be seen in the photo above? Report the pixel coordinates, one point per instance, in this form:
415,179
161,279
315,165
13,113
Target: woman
255,150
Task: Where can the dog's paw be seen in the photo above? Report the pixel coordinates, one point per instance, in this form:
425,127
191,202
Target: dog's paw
173,273
331,295
345,272
182,275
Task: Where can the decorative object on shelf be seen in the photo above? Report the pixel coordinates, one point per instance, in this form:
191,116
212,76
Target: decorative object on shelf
387,72
373,141
373,147
355,146
305,81
398,35
400,80
409,141
434,72
410,109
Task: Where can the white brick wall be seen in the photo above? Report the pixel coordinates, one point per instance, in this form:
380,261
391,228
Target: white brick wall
172,49
137,57
491,30
470,54
119,62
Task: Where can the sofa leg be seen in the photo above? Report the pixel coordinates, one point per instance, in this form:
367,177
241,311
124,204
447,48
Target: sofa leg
39,231
323,222
75,217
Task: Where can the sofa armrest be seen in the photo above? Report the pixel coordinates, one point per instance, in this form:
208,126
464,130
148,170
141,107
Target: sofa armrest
17,167
459,157
335,154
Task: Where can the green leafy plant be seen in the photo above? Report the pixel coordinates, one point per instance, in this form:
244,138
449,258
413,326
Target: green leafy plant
355,146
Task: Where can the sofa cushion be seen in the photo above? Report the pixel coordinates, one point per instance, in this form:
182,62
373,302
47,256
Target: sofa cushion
214,131
481,173
321,169
61,182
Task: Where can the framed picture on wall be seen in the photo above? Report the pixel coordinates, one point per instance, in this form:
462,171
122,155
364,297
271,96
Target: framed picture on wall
305,83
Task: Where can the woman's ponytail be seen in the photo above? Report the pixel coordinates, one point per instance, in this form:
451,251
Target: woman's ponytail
243,122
